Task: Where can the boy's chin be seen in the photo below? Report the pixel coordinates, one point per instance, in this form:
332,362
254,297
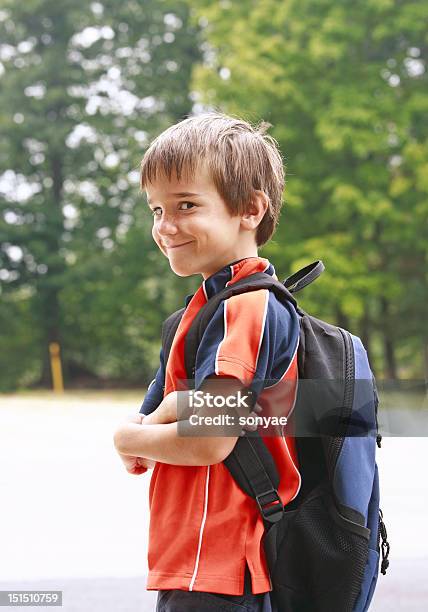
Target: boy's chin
182,270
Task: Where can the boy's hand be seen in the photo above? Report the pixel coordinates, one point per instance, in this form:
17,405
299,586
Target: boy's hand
166,412
136,465
136,418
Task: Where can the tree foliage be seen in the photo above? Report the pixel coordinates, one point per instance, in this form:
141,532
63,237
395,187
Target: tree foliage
85,86
345,87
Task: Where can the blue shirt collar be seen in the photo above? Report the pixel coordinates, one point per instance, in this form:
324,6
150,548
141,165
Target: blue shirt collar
217,281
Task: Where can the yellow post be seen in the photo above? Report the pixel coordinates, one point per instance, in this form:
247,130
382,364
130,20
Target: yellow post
58,385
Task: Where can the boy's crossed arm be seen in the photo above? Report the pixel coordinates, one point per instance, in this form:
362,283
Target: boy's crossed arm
158,437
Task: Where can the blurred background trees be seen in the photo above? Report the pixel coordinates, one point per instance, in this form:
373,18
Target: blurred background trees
84,87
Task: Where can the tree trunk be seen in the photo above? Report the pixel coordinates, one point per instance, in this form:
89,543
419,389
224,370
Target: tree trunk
341,318
365,335
50,284
388,344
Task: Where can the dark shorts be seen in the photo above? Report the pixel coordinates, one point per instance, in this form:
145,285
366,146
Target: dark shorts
197,601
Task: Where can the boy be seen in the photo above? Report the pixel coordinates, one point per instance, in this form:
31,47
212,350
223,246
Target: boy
214,185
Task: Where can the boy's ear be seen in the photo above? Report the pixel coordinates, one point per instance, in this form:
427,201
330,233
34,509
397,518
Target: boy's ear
258,207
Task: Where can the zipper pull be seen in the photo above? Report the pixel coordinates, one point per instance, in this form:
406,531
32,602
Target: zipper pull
385,547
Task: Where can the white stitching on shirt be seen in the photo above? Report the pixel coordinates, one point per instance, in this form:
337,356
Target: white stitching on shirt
263,325
201,531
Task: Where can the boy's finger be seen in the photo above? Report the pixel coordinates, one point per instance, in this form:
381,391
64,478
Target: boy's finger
135,418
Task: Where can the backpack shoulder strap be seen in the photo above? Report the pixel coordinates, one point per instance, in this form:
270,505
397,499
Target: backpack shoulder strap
253,282
253,468
304,277
169,328
250,463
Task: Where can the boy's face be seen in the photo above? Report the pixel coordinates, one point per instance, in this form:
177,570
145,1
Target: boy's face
196,232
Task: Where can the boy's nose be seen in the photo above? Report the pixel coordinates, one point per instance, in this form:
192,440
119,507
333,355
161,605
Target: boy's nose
167,225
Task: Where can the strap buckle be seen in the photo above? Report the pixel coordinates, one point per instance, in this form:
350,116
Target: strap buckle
271,513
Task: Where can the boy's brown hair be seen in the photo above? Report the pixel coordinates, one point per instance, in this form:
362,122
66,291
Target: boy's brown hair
240,159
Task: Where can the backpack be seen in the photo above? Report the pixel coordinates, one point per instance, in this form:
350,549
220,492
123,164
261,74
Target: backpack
323,548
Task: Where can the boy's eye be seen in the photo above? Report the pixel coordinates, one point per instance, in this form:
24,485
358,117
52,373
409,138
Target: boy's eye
156,213
187,204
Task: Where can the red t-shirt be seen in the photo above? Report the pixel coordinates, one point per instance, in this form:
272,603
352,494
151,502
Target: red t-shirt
203,528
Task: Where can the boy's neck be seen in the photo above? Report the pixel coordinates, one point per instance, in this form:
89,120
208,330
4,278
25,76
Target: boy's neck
233,260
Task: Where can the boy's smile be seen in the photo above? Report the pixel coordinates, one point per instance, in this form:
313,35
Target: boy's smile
194,228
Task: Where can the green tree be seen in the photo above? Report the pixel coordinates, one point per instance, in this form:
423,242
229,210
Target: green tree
84,86
344,85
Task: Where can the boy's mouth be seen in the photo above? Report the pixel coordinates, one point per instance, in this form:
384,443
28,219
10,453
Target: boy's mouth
176,246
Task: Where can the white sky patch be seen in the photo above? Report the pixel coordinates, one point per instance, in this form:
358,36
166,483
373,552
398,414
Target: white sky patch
108,244
11,218
16,188
37,91
141,137
70,211
15,253
90,35
94,103
124,52
89,192
395,161
121,231
114,73
414,67
111,160
7,52
110,94
172,21
126,219
147,103
25,46
8,275
34,146
103,232
394,80
81,132
69,224
70,257
126,101
133,177
171,65
122,184
97,8
414,52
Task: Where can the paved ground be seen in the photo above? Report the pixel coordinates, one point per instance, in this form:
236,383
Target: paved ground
72,519
404,589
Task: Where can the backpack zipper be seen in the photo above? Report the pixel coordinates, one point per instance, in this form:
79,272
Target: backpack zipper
376,404
348,392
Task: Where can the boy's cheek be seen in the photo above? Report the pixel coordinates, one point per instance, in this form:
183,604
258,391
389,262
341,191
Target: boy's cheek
158,242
